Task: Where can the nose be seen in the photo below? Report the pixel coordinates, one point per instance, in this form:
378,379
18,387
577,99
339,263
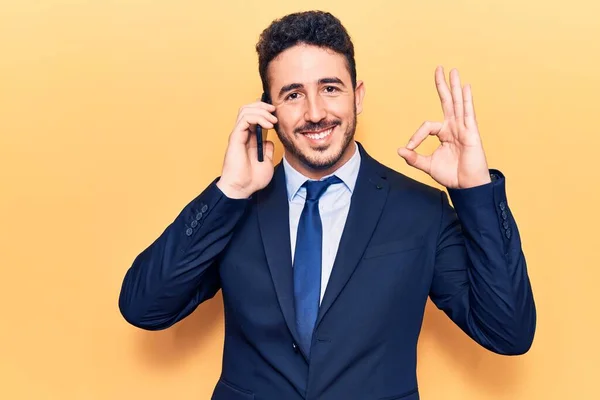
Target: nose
315,109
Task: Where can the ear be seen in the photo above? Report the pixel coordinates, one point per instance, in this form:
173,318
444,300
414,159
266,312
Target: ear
359,94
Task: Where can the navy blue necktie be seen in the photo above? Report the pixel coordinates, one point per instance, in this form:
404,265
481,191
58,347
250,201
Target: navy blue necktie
307,261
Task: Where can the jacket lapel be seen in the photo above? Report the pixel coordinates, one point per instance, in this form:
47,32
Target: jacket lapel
274,223
367,203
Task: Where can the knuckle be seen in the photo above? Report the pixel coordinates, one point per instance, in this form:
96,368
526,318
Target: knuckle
249,118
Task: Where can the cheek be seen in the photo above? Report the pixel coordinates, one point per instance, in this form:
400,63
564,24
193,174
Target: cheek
342,108
289,121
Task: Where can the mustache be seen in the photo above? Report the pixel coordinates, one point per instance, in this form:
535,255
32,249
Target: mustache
318,126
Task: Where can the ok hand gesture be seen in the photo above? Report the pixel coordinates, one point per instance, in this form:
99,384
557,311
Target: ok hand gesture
459,162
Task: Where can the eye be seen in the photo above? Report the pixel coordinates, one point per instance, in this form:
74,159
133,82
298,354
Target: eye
292,96
331,89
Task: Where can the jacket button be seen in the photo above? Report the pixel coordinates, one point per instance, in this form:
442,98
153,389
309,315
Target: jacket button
189,231
204,208
199,216
194,223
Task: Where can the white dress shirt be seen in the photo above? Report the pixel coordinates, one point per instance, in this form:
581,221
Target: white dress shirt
333,208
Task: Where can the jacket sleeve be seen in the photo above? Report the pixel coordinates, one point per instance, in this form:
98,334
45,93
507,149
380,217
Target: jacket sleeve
179,270
480,277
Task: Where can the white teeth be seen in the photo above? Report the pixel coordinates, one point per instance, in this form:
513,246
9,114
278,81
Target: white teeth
322,135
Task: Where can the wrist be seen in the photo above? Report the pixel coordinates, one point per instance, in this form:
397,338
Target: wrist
232,191
483,180
480,178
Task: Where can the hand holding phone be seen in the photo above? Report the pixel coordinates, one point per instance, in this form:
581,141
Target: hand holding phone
248,164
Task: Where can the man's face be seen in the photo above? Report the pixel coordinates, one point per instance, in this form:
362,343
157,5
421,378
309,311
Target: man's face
316,108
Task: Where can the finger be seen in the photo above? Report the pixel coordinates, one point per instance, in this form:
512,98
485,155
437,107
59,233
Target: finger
265,133
268,147
251,120
256,111
426,129
241,131
269,150
258,104
444,93
253,107
457,98
415,159
470,117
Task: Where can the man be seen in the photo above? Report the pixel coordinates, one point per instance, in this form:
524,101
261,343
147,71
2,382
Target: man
326,261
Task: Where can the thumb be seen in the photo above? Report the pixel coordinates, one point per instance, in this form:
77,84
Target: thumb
269,149
414,159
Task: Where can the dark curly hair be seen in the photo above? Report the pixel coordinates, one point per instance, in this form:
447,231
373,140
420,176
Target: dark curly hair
316,28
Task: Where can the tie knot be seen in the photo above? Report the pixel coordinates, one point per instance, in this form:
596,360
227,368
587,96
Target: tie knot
315,189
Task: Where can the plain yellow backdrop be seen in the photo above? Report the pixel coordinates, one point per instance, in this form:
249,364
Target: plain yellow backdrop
115,114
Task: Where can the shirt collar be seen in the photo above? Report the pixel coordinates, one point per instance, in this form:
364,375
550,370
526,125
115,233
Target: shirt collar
348,173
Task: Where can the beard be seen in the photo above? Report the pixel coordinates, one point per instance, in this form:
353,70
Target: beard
318,163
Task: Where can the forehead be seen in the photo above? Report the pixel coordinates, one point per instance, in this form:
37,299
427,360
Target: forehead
306,64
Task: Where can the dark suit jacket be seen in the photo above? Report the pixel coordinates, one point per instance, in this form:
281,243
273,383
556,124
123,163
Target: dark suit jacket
402,242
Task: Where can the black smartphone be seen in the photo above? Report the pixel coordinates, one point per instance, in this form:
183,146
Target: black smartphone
259,136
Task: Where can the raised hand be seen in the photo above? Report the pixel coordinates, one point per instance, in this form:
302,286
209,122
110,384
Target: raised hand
459,162
242,173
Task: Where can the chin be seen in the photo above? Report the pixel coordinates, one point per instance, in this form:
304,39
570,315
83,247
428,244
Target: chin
315,156
322,158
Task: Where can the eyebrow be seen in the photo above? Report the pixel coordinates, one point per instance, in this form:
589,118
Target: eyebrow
293,86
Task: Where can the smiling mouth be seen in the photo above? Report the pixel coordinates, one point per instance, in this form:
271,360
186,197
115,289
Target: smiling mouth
319,135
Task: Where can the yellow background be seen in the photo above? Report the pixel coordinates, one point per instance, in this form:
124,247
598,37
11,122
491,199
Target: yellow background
115,114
